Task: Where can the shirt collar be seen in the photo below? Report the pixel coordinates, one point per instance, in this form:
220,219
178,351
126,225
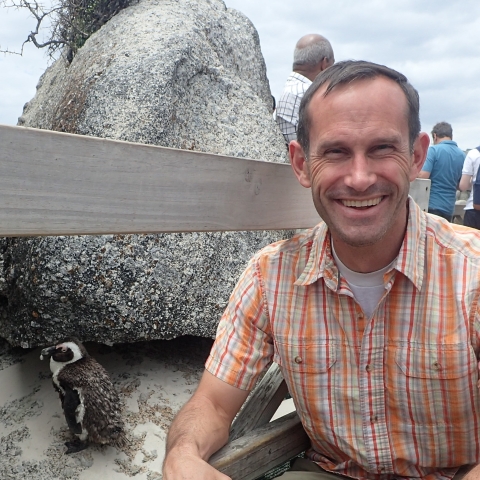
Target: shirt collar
410,260
300,77
448,142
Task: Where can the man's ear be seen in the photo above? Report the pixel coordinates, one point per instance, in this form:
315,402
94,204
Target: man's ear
299,164
325,64
420,148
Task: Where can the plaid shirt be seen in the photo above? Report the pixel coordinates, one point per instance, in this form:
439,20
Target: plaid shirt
392,396
289,103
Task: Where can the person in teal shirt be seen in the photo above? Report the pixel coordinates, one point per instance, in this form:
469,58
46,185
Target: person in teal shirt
443,166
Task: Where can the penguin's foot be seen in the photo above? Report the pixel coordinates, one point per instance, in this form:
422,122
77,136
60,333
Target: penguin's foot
75,446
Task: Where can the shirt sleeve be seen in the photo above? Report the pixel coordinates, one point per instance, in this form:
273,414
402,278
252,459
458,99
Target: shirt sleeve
243,347
469,164
288,129
430,160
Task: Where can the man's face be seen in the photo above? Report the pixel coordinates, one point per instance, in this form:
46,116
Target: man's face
360,165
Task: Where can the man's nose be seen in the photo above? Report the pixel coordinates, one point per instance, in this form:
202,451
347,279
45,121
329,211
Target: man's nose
360,175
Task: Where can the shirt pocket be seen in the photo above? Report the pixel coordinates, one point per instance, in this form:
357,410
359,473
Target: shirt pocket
305,358
432,385
309,373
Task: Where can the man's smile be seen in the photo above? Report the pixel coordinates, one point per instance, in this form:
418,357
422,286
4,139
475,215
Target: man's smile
362,203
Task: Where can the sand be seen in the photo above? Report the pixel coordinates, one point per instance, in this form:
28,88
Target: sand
154,380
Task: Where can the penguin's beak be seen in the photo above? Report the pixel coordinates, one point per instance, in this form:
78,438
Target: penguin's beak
47,352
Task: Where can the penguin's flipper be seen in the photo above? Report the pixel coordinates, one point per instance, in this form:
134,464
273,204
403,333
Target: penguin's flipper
71,402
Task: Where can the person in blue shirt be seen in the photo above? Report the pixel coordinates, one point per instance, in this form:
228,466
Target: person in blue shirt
443,166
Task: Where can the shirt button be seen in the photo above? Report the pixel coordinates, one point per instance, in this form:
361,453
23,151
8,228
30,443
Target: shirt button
368,368
373,418
437,366
298,359
360,315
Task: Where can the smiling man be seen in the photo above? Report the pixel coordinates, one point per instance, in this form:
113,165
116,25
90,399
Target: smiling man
373,315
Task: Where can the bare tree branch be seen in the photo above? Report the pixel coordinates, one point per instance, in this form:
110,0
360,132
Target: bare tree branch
71,22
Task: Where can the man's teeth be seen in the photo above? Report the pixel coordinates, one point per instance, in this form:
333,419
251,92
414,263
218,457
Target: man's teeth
362,203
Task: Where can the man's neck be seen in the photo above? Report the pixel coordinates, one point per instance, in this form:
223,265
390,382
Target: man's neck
366,259
441,139
306,73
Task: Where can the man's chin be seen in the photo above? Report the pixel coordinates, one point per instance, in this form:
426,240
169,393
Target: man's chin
362,237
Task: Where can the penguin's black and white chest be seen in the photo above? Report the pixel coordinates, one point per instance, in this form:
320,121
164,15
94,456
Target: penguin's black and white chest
71,396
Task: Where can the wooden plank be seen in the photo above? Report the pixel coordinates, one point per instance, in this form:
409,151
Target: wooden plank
262,449
420,192
262,404
61,184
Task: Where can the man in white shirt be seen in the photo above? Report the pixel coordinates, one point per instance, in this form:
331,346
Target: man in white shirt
469,174
313,54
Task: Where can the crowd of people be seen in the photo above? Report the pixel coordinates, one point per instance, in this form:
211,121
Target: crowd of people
373,315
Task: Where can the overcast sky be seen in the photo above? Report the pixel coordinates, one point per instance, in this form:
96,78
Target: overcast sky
436,44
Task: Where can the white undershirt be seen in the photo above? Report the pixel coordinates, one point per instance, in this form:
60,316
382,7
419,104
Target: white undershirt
367,288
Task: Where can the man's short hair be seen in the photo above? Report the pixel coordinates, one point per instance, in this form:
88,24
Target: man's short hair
442,129
312,54
350,71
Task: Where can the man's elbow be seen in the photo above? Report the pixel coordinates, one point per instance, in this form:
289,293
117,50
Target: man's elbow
465,183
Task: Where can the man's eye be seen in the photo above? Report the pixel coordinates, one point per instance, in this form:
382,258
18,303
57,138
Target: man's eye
383,148
334,152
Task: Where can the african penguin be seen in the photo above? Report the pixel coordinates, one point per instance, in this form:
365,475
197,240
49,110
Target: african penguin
90,403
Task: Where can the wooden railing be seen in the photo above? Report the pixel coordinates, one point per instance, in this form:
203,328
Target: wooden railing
61,184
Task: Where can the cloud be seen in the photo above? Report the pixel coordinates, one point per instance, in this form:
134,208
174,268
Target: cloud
434,43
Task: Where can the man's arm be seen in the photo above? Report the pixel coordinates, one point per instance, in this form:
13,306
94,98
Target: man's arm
473,474
465,182
200,429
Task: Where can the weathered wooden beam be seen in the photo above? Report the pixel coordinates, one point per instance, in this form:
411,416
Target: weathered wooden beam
262,404
262,449
61,184
420,192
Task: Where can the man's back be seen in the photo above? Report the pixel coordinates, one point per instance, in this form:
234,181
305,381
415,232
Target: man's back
313,54
289,103
444,162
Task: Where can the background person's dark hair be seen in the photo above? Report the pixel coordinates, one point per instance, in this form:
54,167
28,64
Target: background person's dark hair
442,129
350,71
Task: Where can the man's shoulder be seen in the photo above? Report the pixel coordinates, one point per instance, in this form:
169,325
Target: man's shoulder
294,245
450,238
432,150
473,153
450,145
458,149
296,84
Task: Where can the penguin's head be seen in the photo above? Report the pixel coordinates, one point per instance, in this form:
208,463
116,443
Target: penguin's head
68,351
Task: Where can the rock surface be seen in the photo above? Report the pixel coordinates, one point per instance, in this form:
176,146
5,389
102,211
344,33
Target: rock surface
181,73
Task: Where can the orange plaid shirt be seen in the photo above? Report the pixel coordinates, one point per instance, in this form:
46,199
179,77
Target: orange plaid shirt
385,397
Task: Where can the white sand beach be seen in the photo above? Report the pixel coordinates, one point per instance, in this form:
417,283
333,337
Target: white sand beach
154,379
